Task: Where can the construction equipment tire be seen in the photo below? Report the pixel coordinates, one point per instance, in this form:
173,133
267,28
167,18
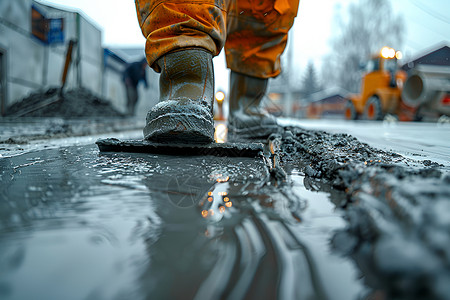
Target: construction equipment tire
350,111
372,110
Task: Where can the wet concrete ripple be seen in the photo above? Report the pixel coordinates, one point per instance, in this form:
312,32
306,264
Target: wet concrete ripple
76,224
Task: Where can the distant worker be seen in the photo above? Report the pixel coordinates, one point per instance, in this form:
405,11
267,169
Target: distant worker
182,38
133,74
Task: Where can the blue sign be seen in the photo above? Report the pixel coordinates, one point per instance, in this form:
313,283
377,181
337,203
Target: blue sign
55,33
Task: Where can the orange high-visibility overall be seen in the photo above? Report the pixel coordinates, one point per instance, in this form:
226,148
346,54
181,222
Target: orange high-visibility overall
254,31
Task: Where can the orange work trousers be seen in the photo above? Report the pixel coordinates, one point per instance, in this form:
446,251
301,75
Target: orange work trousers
254,31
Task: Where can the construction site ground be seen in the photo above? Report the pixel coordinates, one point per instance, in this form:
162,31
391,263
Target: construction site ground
328,215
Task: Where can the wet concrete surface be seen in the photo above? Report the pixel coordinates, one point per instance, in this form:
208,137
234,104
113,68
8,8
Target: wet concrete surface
396,210
415,140
347,222
77,224
22,131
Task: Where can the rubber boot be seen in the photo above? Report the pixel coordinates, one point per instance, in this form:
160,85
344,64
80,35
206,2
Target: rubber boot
247,120
184,113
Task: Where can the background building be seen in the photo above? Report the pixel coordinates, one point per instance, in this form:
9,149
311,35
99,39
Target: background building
33,43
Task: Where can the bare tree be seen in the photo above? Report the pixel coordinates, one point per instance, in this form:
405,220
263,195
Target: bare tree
310,83
369,25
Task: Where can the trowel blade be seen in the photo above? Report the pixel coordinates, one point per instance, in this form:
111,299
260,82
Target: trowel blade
215,149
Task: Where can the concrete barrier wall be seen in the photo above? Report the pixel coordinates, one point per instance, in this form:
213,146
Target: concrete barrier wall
115,91
91,56
113,87
13,10
22,55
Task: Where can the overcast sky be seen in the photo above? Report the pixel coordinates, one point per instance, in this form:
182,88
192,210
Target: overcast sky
427,24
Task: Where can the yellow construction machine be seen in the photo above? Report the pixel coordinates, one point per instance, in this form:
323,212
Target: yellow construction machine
381,88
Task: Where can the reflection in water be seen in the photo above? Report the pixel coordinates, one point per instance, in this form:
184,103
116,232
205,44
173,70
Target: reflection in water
77,225
214,203
220,133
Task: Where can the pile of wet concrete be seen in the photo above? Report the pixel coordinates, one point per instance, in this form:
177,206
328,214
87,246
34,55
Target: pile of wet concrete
397,210
49,114
74,103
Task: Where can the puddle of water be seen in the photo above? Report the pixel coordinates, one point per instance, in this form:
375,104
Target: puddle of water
75,224
321,219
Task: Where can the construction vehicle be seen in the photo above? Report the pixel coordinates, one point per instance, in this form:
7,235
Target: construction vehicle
381,88
427,90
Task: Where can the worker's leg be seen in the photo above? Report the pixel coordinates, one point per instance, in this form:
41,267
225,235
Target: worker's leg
132,97
171,25
257,36
182,37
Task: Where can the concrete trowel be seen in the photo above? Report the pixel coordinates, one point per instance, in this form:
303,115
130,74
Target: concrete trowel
215,149
221,147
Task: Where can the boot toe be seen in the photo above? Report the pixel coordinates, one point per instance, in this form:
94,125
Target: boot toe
179,121
269,121
248,127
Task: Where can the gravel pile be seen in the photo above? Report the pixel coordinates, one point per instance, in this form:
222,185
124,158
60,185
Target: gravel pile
74,103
